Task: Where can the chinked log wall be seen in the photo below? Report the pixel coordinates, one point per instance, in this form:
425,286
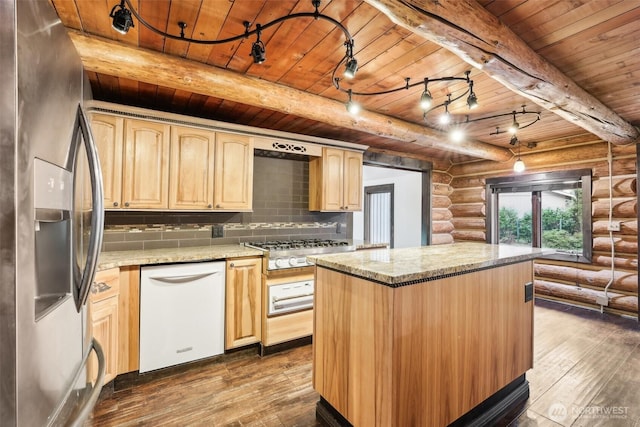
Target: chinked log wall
459,208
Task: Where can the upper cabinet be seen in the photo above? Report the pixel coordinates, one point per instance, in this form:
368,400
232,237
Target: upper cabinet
335,181
192,166
108,135
145,172
233,172
151,165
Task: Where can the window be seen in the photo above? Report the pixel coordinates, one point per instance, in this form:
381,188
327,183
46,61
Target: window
548,210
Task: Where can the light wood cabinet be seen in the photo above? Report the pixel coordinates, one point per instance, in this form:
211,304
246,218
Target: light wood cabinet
108,135
335,181
103,315
145,174
191,168
152,165
243,302
233,172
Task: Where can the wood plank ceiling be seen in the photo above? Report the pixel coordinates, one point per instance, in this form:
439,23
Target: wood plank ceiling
592,43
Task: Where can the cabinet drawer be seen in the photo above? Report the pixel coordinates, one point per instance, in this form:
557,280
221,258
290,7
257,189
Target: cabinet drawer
105,284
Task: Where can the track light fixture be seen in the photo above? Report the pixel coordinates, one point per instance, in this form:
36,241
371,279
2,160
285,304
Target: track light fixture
519,165
513,128
456,130
352,106
426,99
472,100
445,118
122,20
257,49
352,65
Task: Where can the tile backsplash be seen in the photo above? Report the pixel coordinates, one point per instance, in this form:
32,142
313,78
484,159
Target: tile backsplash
280,212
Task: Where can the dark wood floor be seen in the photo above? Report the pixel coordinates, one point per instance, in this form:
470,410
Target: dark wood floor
586,373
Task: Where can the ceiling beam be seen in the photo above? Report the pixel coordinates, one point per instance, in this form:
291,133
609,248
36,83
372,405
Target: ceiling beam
467,29
118,59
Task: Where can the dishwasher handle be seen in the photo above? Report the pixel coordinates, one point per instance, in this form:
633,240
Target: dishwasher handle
184,278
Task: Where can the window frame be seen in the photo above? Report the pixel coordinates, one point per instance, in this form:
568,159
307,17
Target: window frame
377,189
535,183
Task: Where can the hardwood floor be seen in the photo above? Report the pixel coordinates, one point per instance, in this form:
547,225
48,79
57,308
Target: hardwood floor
586,373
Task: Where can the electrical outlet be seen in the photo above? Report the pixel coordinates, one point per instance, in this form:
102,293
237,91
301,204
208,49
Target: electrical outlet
614,226
217,231
602,300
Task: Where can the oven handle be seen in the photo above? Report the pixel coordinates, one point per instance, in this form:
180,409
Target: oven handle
278,299
291,302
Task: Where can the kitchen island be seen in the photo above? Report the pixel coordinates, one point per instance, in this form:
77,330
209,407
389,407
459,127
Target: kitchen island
425,336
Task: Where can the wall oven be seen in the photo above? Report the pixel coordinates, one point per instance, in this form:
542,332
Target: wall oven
288,285
289,297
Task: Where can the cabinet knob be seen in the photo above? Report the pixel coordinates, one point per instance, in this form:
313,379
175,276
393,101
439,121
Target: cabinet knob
210,206
115,204
232,265
218,206
126,204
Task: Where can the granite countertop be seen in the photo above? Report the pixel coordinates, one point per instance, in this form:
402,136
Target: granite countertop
395,267
113,259
362,244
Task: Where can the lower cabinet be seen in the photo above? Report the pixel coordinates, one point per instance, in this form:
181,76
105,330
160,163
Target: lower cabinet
103,321
243,302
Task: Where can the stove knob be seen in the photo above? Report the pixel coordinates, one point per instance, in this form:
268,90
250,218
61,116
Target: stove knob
293,261
281,263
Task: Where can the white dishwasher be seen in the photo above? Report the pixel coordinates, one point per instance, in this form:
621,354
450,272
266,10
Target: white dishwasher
181,313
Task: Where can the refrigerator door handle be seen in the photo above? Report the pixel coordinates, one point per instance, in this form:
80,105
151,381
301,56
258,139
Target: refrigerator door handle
97,215
81,414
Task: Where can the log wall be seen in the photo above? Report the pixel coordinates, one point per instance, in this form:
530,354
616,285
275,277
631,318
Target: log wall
441,216
574,283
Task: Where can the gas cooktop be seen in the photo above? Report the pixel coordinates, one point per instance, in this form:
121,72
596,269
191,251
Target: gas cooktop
282,254
283,245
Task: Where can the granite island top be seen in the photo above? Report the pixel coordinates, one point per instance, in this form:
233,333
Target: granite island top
113,259
396,267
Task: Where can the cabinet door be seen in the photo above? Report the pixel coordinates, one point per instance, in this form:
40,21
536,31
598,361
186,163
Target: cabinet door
243,302
103,320
352,181
104,326
146,165
191,168
233,172
332,179
108,135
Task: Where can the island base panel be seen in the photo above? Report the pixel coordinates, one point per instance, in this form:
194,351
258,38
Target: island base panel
423,354
503,407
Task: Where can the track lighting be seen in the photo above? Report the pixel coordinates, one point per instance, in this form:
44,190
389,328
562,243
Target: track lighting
513,128
472,100
426,99
352,106
352,65
445,118
456,135
257,49
122,20
518,166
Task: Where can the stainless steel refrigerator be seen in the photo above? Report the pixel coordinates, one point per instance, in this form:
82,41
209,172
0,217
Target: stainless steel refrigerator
50,222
